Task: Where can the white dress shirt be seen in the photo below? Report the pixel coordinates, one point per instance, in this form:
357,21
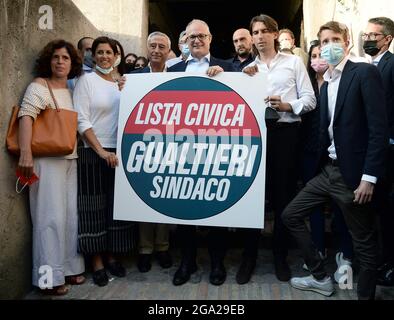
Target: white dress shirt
150,68
198,65
378,58
333,78
288,78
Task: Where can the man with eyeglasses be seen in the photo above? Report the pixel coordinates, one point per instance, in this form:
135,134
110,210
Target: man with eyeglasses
377,38
199,39
290,94
201,61
353,144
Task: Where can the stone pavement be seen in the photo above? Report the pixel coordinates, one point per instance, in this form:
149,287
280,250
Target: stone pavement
157,284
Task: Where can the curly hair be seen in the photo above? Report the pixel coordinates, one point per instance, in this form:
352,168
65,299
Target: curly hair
43,63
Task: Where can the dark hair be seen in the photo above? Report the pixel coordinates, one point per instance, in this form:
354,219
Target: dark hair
311,71
121,66
143,59
131,54
43,63
271,25
386,23
79,44
336,27
100,40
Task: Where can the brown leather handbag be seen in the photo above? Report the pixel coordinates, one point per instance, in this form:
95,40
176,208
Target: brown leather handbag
54,131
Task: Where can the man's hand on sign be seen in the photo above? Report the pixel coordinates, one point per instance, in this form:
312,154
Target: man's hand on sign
251,71
276,103
214,70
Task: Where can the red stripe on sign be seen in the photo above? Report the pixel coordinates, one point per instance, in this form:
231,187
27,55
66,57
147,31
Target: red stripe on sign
193,113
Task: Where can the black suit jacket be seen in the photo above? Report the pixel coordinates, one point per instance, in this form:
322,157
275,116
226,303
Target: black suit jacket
360,124
386,68
181,66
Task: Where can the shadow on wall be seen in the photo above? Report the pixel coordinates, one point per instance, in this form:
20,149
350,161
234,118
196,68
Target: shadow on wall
25,28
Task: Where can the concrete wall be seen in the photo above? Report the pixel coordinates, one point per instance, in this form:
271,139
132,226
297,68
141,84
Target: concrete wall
21,40
354,13
125,20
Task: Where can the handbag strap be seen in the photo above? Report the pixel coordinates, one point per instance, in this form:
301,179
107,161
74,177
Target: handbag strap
52,95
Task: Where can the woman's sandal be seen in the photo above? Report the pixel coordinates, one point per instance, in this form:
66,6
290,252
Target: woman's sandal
56,291
76,279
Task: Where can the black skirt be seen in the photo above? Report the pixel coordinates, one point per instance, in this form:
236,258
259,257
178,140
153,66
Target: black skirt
98,232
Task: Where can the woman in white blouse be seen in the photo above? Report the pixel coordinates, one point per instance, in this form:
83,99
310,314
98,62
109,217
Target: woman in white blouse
96,98
53,198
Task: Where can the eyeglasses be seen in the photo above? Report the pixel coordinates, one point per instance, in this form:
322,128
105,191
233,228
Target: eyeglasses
371,36
200,36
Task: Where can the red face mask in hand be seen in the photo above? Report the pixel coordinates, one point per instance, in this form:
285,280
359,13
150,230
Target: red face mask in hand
24,181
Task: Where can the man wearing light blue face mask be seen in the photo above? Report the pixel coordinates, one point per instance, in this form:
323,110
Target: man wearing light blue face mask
84,46
183,48
353,139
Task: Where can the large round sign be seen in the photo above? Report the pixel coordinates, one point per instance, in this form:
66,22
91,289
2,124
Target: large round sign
191,148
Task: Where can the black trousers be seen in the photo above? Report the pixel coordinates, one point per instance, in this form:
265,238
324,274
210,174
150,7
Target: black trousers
216,239
281,184
360,220
384,202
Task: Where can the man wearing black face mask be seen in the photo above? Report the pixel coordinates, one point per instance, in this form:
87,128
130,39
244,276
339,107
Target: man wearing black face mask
377,39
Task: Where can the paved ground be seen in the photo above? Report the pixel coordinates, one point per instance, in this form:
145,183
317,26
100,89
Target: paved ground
157,285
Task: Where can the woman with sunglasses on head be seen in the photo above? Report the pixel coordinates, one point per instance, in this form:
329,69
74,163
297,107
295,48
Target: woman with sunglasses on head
97,98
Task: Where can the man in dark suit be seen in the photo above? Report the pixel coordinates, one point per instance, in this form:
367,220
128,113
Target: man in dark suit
353,140
200,60
243,44
377,38
154,236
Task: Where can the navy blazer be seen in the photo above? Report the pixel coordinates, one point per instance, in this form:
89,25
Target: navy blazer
386,68
360,124
181,66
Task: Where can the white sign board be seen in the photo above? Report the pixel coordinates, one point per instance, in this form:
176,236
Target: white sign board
192,150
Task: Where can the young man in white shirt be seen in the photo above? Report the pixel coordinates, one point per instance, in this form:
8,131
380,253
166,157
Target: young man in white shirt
290,94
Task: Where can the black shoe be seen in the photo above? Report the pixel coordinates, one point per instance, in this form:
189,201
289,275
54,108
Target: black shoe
164,259
144,264
282,270
182,275
386,276
218,274
100,277
245,270
116,269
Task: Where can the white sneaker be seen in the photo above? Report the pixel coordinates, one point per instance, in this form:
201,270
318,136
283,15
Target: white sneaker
341,263
324,287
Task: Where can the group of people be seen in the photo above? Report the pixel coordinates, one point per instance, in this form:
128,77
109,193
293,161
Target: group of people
330,123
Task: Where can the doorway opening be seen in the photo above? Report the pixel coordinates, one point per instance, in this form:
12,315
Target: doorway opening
223,18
